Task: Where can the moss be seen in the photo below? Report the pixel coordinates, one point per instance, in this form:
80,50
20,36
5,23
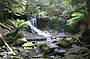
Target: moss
83,50
16,57
64,43
46,49
38,56
28,44
67,53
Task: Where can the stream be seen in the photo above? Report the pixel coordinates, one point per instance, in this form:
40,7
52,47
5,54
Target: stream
34,28
53,47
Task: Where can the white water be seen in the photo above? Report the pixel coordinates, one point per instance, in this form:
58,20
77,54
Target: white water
36,30
62,26
7,57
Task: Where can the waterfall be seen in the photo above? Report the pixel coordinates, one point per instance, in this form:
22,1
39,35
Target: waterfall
34,28
62,26
33,22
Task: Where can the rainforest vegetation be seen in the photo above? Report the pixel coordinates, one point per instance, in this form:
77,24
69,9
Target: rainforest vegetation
44,29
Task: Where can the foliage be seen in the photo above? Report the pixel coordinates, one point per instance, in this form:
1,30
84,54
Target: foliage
40,8
4,26
78,19
13,6
17,25
54,23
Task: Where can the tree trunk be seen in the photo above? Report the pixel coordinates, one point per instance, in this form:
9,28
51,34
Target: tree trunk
89,20
88,7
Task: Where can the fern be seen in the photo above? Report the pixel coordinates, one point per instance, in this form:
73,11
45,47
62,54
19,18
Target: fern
19,23
5,26
78,17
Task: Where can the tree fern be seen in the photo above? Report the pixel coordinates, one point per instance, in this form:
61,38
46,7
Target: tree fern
78,17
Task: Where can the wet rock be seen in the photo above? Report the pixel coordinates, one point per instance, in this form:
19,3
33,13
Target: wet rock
75,49
52,45
60,50
16,57
38,56
84,51
52,57
64,43
79,50
73,57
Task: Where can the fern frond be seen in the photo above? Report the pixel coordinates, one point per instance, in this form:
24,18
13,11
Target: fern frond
77,17
5,26
26,23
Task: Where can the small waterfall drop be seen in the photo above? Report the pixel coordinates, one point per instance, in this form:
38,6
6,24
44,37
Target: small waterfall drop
33,22
62,26
34,28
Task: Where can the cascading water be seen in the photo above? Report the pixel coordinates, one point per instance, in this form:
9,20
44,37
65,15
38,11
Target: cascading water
62,26
33,22
34,30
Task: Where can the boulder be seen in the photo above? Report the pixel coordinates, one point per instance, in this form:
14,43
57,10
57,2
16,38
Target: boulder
52,45
73,57
64,43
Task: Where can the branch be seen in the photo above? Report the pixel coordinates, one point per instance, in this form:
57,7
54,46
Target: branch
7,45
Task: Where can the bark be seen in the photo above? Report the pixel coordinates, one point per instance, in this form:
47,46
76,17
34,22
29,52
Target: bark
89,20
88,7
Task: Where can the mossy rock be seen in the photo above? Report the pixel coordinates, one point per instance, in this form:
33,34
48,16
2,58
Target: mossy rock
67,53
41,45
38,56
52,45
64,43
16,57
74,57
84,51
30,44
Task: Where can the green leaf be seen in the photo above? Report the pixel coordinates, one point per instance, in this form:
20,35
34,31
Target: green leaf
17,20
24,23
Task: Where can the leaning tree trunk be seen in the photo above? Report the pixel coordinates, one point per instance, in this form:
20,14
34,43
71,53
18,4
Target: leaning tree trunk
88,7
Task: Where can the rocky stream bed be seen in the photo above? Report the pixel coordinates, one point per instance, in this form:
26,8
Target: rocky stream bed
39,47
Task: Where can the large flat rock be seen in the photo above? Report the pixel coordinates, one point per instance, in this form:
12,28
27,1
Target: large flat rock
31,37
52,45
